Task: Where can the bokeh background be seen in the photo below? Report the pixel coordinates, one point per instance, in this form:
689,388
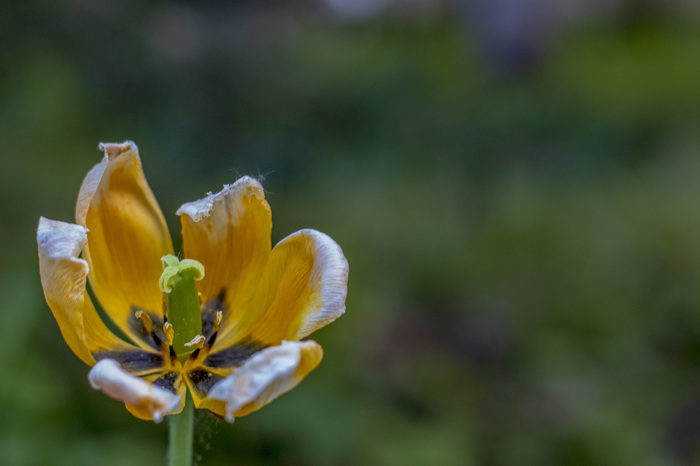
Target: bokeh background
516,185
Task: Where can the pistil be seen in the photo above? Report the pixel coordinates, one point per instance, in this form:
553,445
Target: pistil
182,302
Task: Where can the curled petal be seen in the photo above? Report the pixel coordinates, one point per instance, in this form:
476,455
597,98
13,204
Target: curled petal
262,378
143,399
63,277
303,289
229,233
127,236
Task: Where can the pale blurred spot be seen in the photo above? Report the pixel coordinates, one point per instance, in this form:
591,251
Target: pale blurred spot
173,30
370,9
357,9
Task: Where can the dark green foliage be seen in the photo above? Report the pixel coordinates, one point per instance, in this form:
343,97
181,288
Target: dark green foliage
524,250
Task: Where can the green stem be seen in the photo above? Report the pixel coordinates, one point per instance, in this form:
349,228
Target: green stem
180,435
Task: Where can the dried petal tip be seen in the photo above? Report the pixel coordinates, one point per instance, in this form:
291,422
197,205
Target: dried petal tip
113,149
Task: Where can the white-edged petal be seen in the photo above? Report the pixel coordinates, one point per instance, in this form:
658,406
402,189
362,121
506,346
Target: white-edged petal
127,236
303,288
63,278
330,275
265,376
229,234
109,377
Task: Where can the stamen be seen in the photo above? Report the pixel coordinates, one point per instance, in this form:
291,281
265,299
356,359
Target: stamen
145,319
218,317
197,341
169,333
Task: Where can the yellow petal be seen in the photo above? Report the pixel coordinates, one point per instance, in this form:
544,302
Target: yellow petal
229,233
63,277
200,379
303,289
127,236
142,398
263,377
206,369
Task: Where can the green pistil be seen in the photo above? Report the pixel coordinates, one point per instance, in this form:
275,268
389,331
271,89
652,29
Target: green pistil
182,301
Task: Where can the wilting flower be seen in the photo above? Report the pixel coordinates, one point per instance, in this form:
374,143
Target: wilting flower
255,303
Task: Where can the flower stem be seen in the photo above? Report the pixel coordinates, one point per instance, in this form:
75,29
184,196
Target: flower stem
180,433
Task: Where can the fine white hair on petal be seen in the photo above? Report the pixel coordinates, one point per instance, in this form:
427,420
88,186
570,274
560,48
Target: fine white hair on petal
330,276
201,208
260,379
109,377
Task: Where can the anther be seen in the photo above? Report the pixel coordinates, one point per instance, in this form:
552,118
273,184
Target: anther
145,319
169,333
218,317
197,341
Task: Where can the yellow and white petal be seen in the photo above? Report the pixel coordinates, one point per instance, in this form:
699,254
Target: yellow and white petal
143,399
229,233
200,380
262,378
63,277
127,235
303,289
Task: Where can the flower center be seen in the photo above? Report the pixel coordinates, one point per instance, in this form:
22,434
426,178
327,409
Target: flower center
182,304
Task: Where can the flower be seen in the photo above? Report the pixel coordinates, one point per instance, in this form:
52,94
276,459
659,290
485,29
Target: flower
257,303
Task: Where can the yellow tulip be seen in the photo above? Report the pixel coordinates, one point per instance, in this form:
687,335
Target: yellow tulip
256,302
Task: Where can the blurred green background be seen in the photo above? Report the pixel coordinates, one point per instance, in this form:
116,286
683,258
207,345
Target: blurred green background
516,185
